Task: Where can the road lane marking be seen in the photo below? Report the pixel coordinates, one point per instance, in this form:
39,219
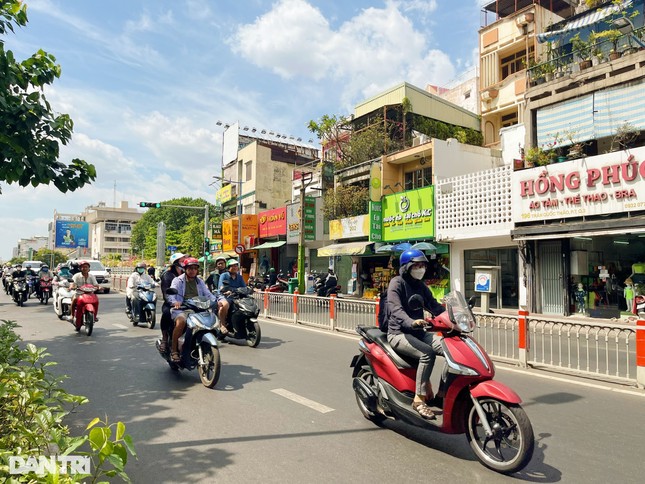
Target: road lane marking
318,407
120,326
573,382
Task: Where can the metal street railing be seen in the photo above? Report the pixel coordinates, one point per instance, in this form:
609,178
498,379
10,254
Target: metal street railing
601,350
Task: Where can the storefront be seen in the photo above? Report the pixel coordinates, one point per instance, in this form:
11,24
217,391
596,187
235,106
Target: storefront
272,226
238,236
581,230
408,218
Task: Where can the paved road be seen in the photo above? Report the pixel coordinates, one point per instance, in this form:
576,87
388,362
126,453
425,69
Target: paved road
246,430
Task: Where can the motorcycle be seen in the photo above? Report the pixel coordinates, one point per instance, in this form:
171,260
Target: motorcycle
87,307
144,305
281,284
8,283
198,345
488,412
20,290
62,299
45,289
324,287
243,317
32,282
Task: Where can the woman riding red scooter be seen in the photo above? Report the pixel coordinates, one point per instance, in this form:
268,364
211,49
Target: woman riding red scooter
85,303
471,402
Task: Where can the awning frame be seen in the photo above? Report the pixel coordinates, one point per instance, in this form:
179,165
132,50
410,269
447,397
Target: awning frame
269,245
347,248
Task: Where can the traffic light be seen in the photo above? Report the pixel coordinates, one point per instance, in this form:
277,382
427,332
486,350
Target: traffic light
207,246
149,204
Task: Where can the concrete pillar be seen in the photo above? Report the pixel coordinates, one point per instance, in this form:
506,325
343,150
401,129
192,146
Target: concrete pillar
640,353
523,337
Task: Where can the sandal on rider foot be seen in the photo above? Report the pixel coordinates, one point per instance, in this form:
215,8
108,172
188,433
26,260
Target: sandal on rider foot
423,410
175,357
163,347
223,329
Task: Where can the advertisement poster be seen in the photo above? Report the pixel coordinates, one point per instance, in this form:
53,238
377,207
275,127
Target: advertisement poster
408,215
71,234
229,234
272,222
249,230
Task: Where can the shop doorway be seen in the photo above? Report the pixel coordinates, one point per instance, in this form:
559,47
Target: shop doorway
551,277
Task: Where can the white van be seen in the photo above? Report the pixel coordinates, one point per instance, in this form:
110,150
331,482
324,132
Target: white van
98,270
35,265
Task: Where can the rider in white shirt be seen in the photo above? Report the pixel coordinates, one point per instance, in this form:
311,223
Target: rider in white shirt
137,277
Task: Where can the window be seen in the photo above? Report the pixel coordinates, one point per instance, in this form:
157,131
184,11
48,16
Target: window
514,62
509,120
419,178
248,167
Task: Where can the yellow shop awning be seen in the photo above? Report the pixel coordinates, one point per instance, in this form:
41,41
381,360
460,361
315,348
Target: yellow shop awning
348,248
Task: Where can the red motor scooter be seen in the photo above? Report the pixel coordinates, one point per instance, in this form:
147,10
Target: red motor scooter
87,308
488,412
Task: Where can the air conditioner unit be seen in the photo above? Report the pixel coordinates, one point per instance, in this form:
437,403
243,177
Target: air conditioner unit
524,19
489,94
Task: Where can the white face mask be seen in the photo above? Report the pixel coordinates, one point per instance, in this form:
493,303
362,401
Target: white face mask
418,273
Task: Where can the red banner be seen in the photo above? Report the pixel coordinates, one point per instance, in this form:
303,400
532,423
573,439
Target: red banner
273,222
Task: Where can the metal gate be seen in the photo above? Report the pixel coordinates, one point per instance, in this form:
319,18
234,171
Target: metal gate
550,277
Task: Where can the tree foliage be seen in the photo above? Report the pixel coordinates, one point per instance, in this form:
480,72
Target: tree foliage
184,227
30,131
346,201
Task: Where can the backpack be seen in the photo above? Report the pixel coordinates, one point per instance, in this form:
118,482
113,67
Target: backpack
382,306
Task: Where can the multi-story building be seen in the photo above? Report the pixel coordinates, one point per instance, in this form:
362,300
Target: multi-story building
507,46
580,217
26,248
110,228
260,172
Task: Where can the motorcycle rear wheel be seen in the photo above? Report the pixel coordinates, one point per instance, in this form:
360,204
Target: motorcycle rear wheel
510,448
253,337
368,377
88,322
44,299
150,318
209,372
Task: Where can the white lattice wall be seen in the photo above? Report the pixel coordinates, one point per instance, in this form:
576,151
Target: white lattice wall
474,205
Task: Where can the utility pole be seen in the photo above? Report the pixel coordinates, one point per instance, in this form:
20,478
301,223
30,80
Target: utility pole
305,181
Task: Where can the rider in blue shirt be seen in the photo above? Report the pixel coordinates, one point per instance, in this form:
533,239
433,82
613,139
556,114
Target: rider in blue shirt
227,281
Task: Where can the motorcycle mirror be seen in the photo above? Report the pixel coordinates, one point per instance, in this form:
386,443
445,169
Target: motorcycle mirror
172,291
471,301
415,302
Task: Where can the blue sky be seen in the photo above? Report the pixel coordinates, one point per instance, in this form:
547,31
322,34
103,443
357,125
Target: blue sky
145,82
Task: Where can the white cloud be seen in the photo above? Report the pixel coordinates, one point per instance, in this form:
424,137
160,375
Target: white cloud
374,50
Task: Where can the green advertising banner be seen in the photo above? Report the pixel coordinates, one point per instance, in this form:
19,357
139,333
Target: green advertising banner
310,218
376,221
409,215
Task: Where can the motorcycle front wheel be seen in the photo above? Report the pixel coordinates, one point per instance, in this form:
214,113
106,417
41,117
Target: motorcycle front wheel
44,298
510,447
150,318
210,370
88,322
253,335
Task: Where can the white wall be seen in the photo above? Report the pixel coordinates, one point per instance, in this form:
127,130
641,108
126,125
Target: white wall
451,158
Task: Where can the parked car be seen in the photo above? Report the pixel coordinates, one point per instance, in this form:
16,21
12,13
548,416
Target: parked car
98,270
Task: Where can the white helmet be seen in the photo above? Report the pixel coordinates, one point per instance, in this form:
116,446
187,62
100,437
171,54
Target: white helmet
175,257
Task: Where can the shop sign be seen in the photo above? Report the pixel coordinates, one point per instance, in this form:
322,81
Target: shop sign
230,233
312,223
216,230
349,227
597,185
408,215
249,229
272,222
376,221
225,194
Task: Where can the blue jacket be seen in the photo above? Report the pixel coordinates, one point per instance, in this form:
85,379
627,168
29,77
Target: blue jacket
225,279
179,283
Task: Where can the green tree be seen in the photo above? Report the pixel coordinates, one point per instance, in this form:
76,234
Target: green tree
51,257
30,131
184,227
346,201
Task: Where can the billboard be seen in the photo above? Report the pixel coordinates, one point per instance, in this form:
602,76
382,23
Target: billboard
408,215
71,234
272,222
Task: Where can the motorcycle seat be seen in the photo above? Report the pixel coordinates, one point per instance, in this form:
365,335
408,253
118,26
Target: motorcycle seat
380,338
